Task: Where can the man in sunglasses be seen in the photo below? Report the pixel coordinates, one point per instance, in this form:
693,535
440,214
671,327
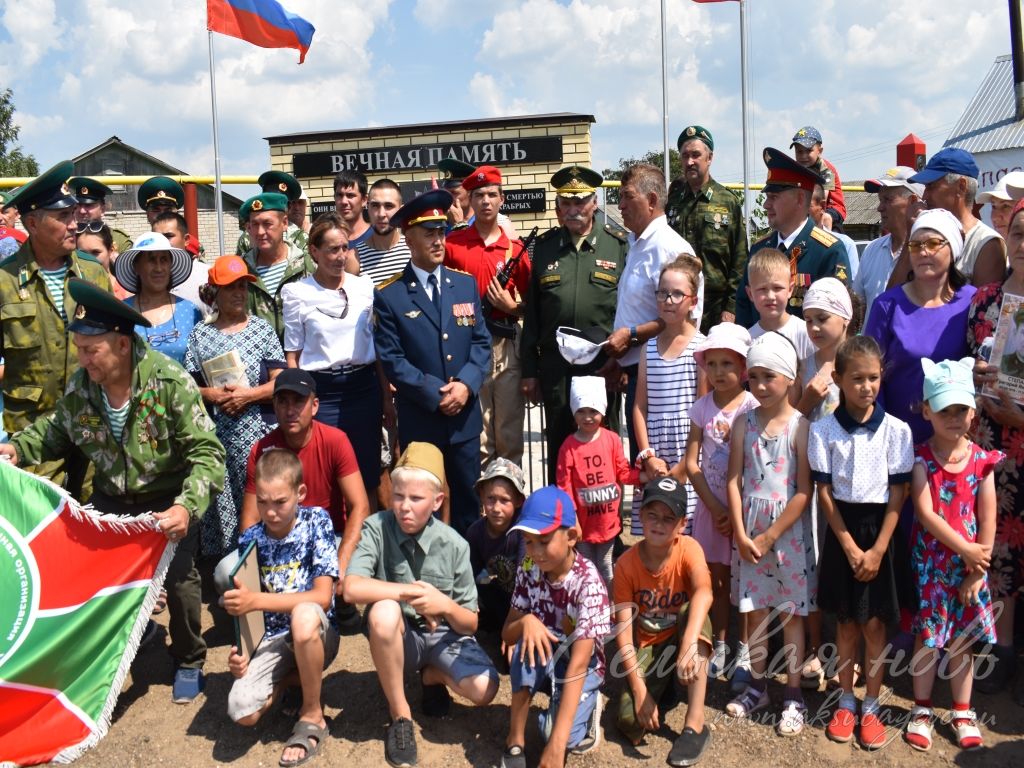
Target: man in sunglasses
35,342
92,202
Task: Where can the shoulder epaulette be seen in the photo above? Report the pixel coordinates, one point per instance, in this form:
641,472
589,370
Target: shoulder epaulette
546,235
84,256
822,236
764,239
458,271
389,281
616,232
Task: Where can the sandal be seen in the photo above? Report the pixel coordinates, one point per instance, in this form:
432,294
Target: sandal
812,674
791,719
307,735
747,703
161,603
919,729
968,735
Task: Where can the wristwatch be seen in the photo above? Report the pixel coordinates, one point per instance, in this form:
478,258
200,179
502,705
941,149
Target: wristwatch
634,340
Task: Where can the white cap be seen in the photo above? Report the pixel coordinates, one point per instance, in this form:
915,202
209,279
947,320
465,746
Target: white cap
895,177
1010,187
588,392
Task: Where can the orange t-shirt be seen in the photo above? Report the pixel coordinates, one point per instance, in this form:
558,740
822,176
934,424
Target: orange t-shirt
658,596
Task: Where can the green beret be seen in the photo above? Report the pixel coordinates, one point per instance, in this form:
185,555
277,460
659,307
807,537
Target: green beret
48,191
696,132
100,311
160,189
279,181
267,201
576,181
88,190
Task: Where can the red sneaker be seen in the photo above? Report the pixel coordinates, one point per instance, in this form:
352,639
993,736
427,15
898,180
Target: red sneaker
872,732
840,727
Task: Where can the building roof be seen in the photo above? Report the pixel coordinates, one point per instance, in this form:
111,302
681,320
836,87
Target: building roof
989,122
553,118
861,207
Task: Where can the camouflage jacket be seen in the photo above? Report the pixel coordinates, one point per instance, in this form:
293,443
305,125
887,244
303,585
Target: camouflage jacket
271,308
34,341
168,446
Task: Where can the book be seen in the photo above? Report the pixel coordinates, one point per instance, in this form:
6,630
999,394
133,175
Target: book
249,628
225,371
1008,350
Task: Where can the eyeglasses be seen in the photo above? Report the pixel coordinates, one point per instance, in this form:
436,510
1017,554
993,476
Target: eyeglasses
671,297
931,245
95,226
167,337
332,312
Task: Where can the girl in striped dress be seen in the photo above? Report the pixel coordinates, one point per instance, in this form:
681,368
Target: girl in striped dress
668,383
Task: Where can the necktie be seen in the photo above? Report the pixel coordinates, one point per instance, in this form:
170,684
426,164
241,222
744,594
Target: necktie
435,292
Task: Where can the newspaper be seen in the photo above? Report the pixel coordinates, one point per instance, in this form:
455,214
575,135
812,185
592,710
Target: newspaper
1008,349
225,371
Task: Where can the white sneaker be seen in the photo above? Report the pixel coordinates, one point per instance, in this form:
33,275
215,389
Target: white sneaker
716,664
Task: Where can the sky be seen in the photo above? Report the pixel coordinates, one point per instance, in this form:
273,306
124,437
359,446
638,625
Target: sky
864,72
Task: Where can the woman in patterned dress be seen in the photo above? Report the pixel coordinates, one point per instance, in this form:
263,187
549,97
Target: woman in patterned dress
1001,427
236,411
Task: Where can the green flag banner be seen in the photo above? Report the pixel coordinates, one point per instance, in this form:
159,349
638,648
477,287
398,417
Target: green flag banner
76,591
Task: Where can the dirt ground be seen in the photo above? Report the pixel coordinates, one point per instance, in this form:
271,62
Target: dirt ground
150,730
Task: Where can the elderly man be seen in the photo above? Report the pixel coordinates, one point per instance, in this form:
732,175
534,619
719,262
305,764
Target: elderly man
92,202
896,194
483,250
287,185
273,260
807,146
35,305
710,218
951,181
574,283
652,245
812,251
432,341
139,418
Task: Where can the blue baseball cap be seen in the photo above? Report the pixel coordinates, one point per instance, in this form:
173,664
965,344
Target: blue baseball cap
807,137
947,160
949,382
546,510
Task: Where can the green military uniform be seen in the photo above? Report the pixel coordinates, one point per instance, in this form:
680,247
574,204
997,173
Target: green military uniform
576,285
168,452
712,222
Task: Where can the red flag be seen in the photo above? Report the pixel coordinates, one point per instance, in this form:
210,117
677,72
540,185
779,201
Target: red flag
260,22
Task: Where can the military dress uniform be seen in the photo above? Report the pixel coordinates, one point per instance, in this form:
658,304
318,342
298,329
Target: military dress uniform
168,452
421,349
574,286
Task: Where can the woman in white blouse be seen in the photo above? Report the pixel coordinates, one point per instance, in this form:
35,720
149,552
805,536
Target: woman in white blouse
328,319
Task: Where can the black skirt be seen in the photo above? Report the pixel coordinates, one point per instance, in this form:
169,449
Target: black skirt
842,595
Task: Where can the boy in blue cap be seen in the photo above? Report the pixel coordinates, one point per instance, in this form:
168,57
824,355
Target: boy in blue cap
558,621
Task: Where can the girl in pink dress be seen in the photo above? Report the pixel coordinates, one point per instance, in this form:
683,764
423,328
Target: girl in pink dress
954,495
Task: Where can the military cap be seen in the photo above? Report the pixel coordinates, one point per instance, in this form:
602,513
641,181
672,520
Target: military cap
484,176
696,132
100,311
807,137
279,181
576,181
428,210
267,201
455,169
786,173
5,198
425,456
48,191
160,189
88,190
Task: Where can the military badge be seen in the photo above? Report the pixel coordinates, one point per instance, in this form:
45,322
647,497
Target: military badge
604,263
552,266
464,314
80,312
718,220
413,314
767,157
841,272
83,191
257,205
283,187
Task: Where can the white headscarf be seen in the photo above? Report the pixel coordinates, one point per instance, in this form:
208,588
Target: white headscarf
946,224
774,352
830,295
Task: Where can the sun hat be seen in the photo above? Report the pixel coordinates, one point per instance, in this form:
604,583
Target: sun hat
505,469
729,336
151,242
1009,187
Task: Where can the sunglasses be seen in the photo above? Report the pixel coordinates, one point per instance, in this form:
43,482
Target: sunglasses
931,245
95,226
332,313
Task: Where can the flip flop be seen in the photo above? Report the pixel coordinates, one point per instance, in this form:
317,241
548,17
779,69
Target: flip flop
307,735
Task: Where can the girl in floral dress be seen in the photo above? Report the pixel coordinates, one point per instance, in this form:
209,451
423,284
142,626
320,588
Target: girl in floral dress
954,495
768,489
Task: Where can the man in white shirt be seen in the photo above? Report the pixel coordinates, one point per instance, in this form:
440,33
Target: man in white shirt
652,245
896,193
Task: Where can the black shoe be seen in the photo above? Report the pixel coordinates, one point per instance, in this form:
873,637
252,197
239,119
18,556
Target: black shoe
689,746
436,700
400,744
513,757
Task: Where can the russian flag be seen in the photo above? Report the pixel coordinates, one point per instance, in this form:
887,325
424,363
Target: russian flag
260,22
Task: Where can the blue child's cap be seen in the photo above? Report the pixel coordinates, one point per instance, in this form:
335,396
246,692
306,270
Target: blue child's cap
546,509
950,382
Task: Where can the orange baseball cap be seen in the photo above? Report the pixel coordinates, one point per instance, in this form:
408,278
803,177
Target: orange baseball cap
228,269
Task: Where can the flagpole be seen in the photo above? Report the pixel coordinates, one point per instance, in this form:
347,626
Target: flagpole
747,207
664,90
216,151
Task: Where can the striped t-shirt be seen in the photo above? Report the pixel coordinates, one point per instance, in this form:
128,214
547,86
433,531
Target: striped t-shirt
380,265
271,276
54,280
116,416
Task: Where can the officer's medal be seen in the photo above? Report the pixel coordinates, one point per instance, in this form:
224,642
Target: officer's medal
464,314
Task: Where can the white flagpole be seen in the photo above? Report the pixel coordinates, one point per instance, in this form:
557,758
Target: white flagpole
664,89
747,205
216,151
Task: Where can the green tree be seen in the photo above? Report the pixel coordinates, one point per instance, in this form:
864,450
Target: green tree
13,162
654,157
